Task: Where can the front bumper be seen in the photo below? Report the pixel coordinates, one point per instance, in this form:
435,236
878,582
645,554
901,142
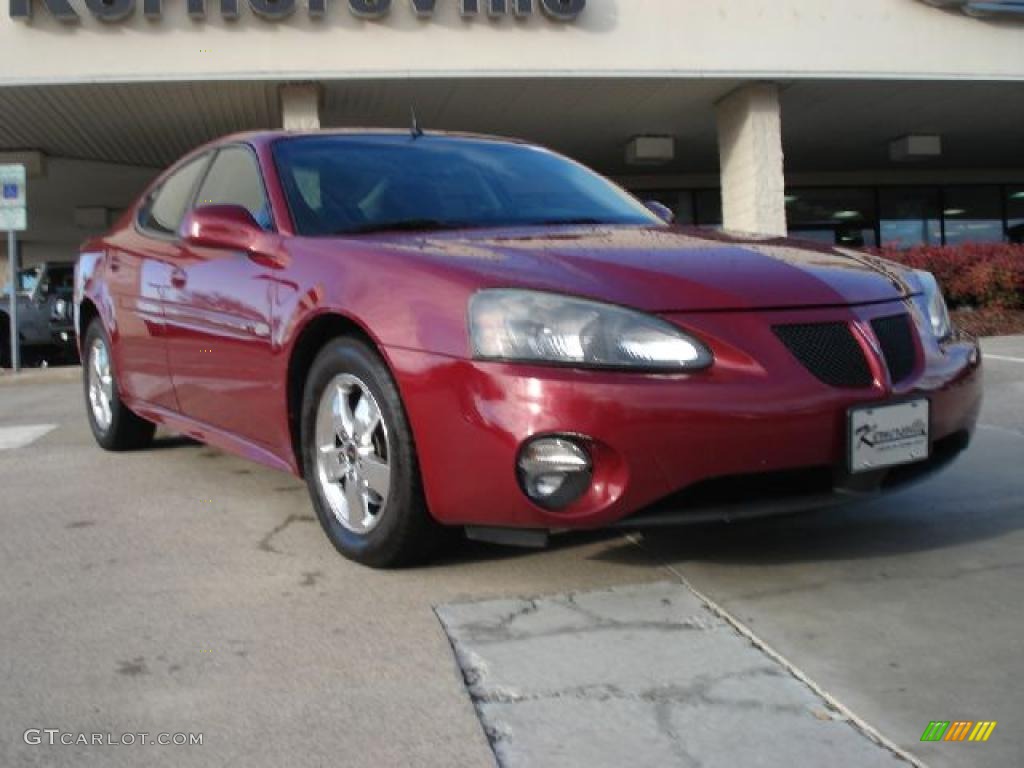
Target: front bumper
658,441
63,336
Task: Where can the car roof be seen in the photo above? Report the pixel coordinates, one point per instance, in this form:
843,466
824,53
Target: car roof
267,137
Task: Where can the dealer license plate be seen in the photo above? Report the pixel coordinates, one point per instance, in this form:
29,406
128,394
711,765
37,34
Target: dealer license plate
889,435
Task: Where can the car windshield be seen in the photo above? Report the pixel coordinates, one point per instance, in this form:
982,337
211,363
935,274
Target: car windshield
361,184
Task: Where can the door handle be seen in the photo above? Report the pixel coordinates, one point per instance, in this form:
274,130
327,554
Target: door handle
178,278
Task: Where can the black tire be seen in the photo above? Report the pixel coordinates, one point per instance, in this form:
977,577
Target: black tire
126,431
406,534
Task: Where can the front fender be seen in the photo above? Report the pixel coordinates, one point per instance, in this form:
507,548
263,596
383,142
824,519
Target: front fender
88,270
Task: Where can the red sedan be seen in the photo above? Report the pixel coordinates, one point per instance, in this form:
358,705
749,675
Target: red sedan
441,331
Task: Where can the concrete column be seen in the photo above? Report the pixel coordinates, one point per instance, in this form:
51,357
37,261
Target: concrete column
750,151
300,107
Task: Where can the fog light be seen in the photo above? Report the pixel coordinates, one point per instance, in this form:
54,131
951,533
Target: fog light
554,471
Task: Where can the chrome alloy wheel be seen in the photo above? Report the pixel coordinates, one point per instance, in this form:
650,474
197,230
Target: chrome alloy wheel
101,385
352,454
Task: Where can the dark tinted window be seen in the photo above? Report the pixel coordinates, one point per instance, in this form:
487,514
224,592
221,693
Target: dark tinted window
708,205
166,207
351,184
234,179
842,216
910,216
1015,214
61,280
973,215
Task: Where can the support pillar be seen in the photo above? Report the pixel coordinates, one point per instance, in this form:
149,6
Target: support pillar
300,107
750,151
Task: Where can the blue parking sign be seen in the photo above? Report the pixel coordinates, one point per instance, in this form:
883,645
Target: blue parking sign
10,191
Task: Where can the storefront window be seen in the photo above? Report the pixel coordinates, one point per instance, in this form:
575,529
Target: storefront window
1015,214
910,216
845,216
708,205
973,215
904,217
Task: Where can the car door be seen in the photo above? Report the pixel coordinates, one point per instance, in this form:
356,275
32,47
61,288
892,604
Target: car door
139,261
32,327
218,314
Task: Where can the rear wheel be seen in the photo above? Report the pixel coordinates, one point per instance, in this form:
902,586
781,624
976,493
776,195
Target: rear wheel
360,461
114,426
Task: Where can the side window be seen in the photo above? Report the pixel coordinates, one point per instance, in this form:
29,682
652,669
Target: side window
165,208
234,179
60,281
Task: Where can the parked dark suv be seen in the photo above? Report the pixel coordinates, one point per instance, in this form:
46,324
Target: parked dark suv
45,321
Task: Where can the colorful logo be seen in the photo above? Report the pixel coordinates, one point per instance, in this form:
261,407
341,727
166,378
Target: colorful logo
959,730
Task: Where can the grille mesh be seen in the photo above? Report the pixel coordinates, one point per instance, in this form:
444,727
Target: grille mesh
896,338
829,351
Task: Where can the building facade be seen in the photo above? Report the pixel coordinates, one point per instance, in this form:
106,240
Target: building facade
871,122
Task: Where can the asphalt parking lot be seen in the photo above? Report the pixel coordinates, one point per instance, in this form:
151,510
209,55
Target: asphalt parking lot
180,590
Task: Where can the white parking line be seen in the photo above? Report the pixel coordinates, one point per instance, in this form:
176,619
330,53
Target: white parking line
19,437
1004,358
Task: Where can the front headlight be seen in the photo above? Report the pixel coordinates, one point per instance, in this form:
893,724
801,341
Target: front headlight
933,305
60,310
535,327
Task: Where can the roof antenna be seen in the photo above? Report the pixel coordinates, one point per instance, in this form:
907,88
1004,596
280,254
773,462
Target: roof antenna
415,129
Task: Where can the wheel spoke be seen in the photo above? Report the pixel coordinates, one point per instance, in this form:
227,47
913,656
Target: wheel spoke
356,502
344,419
367,417
377,475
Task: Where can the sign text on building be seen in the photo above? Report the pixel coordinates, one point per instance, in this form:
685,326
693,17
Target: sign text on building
275,10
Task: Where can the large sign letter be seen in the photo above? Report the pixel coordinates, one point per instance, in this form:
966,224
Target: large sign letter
370,9
423,8
111,10
273,10
563,10
59,9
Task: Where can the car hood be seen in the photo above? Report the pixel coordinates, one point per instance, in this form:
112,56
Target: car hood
662,269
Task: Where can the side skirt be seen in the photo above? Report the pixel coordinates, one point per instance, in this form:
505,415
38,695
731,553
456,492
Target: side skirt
217,438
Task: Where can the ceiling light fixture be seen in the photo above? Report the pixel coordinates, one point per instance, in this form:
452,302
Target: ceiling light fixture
915,147
845,215
651,150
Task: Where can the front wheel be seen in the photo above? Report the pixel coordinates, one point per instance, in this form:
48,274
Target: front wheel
114,426
359,460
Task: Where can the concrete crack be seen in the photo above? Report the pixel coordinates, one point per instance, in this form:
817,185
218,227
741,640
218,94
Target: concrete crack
264,543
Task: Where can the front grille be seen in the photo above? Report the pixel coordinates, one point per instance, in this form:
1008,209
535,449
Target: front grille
896,338
829,351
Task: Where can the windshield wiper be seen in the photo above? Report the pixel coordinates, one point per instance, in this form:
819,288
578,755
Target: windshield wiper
402,225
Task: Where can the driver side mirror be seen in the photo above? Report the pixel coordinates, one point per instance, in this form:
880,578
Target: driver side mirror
661,210
42,292
231,228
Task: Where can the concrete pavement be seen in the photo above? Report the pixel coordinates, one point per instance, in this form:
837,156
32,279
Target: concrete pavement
180,589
